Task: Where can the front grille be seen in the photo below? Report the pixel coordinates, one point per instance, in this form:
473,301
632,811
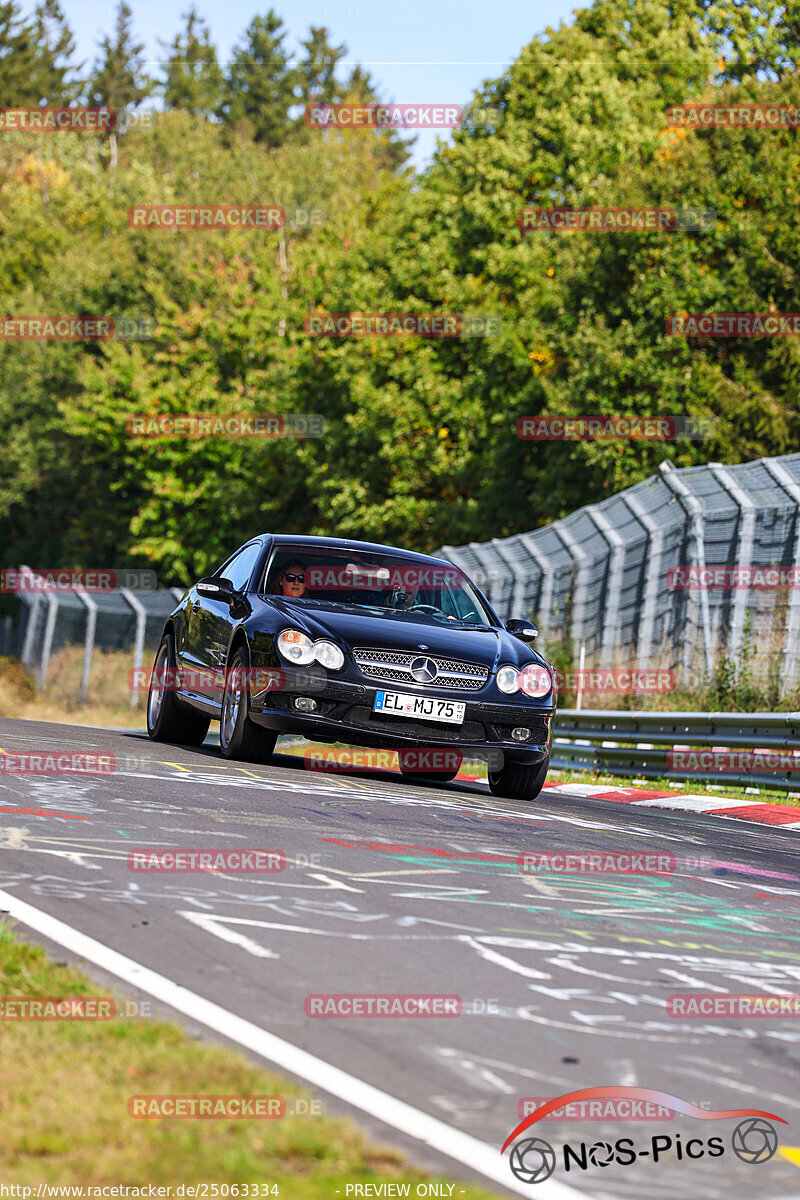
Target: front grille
395,666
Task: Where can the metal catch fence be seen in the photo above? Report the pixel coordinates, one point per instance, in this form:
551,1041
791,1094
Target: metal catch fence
113,619
604,577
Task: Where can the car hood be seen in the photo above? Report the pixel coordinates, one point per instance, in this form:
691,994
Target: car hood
403,631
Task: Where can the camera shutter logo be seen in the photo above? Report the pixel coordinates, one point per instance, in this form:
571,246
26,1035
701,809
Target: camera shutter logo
754,1140
533,1160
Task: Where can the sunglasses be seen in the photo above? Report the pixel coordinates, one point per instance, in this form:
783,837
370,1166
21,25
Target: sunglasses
295,578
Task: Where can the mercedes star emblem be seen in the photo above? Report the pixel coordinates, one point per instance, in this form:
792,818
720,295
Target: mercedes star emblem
424,670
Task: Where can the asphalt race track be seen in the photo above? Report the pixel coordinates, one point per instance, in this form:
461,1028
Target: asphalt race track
563,978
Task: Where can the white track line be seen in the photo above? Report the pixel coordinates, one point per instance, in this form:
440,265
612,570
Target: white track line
478,1156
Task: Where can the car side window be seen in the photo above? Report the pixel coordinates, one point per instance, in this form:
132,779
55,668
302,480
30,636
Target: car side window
240,568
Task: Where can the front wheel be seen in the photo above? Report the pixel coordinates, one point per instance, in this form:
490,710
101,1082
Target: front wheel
239,737
166,720
519,781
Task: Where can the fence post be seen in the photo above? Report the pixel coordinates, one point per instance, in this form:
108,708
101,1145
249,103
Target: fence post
791,649
581,559
545,606
49,630
32,621
611,619
88,642
688,500
483,554
581,665
655,547
517,572
138,648
747,527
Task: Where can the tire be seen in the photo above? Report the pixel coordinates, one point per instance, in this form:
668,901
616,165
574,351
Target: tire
166,720
519,781
239,737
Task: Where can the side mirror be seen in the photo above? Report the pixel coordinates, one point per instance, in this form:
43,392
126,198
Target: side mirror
216,589
526,631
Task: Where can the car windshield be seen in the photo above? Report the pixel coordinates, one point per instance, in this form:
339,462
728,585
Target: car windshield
378,583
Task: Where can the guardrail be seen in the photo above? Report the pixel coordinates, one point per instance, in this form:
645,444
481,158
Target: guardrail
636,744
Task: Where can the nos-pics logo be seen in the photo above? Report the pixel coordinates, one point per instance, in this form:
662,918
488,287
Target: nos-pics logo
533,1160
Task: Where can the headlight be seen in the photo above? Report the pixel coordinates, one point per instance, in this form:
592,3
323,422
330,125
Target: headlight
508,680
297,647
535,681
328,655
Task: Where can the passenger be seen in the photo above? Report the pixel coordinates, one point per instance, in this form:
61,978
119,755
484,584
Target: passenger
292,580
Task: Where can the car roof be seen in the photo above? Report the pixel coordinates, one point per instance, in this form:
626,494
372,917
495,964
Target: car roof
322,543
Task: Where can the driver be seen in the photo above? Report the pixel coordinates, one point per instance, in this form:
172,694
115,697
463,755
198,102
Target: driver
292,580
401,598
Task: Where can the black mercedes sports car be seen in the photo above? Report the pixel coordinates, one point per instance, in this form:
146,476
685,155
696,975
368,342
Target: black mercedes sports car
345,641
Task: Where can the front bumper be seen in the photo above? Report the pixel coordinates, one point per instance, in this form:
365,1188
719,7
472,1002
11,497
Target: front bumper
345,714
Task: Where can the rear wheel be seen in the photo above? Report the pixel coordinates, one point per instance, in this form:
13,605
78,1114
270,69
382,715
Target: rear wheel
239,737
519,781
166,720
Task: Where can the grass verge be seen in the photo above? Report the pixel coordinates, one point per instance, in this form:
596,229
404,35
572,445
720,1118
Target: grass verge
109,697
64,1088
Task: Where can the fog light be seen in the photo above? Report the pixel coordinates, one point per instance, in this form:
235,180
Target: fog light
306,704
520,734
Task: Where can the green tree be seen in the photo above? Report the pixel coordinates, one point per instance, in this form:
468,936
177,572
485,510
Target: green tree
118,80
35,56
317,81
259,82
192,75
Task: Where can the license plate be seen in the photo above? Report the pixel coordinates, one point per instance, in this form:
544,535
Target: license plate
401,704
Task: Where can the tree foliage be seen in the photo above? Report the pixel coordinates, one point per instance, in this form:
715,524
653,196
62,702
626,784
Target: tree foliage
420,446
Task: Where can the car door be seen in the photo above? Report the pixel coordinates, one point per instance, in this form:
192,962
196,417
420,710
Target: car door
208,630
